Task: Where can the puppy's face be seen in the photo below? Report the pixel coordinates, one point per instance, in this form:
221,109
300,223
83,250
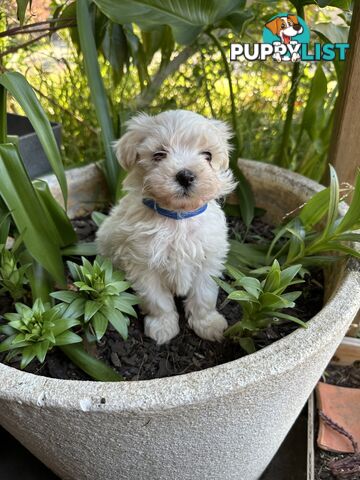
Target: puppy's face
178,158
285,27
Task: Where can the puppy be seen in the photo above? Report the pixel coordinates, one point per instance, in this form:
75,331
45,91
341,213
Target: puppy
286,28
168,233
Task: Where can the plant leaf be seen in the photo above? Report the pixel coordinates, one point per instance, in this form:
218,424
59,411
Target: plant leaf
100,324
67,338
91,308
21,9
97,91
66,296
27,212
118,321
94,368
98,218
88,249
186,18
55,214
351,220
20,89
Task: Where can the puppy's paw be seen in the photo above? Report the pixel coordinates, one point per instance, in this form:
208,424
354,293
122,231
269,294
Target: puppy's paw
210,327
162,329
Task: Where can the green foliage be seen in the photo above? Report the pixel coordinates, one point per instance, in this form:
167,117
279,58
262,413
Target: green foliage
32,332
138,69
17,85
97,91
187,18
262,301
22,5
95,368
316,236
28,214
101,297
302,243
12,275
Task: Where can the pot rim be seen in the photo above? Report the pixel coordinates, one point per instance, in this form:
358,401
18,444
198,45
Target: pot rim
205,385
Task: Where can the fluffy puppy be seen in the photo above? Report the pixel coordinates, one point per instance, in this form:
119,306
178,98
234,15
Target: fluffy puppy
178,162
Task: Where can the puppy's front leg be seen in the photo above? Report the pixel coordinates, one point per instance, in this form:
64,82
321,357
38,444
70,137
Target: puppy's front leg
162,319
200,307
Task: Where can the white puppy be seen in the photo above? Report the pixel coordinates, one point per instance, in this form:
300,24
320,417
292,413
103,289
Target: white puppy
177,240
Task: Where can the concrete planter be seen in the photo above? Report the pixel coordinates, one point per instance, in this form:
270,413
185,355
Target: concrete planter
222,423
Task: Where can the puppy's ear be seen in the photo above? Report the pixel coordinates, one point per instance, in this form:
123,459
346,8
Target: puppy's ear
274,26
294,19
224,133
126,146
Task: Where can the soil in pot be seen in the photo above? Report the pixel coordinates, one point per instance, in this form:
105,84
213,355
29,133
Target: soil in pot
344,376
139,358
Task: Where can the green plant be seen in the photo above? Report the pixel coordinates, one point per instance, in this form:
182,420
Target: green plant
44,232
12,274
101,297
316,236
262,301
32,332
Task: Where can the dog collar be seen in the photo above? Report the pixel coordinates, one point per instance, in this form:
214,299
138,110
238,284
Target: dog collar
149,202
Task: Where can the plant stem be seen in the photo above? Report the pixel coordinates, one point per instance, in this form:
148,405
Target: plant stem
232,96
15,48
33,27
282,156
144,99
207,93
3,117
243,189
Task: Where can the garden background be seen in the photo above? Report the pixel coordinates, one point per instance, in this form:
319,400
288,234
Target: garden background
281,113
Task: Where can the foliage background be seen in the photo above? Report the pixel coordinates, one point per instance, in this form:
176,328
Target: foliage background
54,67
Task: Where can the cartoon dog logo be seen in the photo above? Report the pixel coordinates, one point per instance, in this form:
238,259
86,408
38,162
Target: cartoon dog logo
286,28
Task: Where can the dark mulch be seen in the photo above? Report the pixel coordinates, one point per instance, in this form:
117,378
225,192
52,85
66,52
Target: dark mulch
344,376
139,358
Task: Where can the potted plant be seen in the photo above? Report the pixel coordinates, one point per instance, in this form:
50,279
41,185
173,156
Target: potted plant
248,405
221,422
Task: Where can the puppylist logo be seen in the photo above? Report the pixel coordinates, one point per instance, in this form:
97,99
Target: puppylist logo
286,38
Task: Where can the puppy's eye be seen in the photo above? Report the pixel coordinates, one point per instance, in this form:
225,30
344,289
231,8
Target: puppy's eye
159,155
283,25
207,155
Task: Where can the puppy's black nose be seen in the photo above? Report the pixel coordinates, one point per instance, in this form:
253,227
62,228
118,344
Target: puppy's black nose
185,177
297,27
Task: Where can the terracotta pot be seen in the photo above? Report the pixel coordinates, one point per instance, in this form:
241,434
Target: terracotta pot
222,423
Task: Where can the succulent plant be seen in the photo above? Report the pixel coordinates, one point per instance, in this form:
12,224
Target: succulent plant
262,302
12,275
32,332
100,298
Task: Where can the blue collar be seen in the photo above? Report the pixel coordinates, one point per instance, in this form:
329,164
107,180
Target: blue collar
149,202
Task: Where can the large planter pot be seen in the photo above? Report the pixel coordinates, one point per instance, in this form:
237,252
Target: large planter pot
222,423
32,152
